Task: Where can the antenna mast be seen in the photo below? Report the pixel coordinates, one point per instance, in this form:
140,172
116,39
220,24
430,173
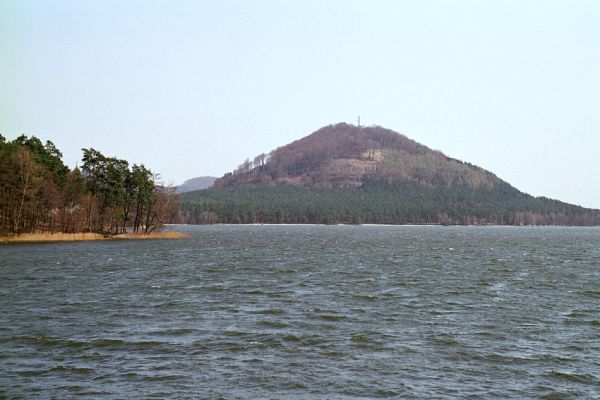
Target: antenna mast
359,121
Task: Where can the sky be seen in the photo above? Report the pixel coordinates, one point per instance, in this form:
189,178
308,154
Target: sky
193,88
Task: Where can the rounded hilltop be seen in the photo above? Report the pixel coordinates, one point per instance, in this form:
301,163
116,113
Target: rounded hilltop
344,155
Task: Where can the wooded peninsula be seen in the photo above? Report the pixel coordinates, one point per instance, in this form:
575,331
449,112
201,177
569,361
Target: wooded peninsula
106,196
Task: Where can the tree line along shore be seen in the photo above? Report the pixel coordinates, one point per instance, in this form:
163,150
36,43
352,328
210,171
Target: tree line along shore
41,199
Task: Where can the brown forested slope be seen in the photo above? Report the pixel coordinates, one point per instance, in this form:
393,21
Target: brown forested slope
343,155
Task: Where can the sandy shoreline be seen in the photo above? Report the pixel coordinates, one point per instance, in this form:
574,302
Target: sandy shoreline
47,237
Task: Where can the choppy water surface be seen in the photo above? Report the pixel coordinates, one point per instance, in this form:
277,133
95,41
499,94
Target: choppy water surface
305,312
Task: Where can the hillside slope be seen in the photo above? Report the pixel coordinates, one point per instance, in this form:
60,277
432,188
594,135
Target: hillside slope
348,174
343,155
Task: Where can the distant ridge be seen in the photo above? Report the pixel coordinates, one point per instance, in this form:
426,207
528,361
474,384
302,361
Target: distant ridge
351,174
199,183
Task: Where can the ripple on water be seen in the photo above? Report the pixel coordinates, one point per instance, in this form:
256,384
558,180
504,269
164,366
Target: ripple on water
306,312
575,377
365,297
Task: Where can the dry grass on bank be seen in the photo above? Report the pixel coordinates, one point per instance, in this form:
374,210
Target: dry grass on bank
153,235
43,237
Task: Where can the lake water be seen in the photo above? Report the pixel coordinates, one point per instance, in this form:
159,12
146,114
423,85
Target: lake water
300,312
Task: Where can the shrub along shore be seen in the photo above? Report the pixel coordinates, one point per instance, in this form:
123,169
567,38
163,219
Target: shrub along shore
45,237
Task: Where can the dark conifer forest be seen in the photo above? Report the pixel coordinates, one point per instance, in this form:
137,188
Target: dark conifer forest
379,202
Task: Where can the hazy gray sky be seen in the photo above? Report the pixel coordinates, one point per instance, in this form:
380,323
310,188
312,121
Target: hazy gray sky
194,88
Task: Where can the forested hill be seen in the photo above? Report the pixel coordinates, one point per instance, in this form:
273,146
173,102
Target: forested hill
349,174
344,155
